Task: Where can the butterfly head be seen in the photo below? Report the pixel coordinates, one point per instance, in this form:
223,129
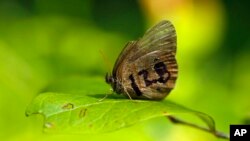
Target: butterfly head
109,79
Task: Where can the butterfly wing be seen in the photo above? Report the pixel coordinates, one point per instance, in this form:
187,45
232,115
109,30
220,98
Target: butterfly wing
147,68
160,37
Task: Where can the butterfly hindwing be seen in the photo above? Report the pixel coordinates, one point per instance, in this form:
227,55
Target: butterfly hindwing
154,74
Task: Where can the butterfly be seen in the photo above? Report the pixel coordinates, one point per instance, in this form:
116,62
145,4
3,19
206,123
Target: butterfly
146,68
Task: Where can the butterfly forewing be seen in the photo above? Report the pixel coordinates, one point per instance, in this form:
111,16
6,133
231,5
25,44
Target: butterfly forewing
147,68
160,37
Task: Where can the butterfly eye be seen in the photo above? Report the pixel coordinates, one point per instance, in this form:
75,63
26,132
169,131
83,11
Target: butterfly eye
108,78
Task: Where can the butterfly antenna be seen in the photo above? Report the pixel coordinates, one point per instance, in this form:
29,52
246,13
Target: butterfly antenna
106,61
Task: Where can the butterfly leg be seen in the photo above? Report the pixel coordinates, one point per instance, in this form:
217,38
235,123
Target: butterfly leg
106,95
125,90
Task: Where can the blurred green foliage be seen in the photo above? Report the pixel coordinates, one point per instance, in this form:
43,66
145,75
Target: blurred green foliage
44,41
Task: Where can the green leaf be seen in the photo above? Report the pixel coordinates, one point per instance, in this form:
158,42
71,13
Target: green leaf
85,112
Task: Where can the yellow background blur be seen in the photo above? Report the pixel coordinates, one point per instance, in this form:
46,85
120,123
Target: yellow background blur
45,40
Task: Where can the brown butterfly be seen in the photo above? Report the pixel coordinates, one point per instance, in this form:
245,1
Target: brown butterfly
147,68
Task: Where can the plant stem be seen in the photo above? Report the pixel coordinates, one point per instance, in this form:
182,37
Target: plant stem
214,132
